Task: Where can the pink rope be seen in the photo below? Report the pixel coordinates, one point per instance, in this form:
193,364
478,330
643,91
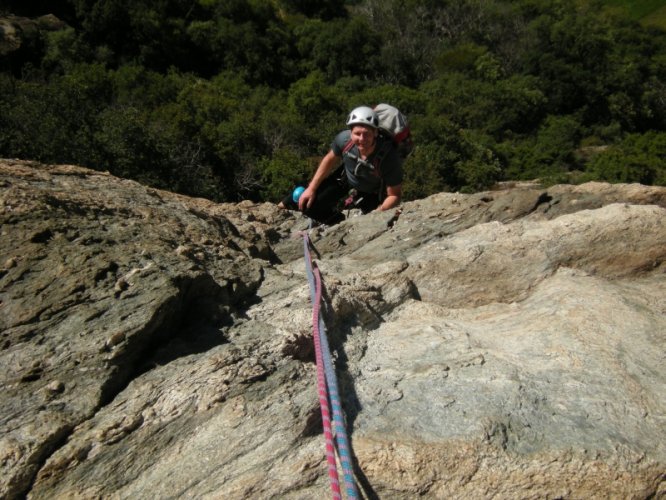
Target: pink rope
323,400
327,387
344,448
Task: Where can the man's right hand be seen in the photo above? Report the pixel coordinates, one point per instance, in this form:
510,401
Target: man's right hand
306,199
326,166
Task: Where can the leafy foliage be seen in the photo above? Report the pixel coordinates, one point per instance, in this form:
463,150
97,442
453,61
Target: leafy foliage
638,158
232,99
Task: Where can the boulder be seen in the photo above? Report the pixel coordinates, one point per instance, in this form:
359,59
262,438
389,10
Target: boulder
505,344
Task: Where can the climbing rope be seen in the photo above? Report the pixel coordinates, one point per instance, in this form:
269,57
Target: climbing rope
321,382
327,386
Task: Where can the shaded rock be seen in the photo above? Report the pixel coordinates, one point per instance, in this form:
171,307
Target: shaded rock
73,236
502,344
17,31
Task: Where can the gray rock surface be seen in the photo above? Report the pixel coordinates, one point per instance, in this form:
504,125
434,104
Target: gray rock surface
506,344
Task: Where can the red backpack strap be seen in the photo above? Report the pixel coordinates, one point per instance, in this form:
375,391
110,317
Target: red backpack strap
401,136
348,146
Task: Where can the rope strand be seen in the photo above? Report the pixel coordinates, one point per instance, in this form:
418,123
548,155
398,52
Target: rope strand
321,382
344,449
328,388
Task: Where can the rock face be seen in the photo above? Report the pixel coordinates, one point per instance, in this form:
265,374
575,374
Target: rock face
16,32
507,344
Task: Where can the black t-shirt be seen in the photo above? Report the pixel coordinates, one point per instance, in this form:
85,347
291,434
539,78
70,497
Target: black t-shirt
366,176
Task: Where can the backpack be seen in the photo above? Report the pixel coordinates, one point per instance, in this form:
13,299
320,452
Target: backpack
394,124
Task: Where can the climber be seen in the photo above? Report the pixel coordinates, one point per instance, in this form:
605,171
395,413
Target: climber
369,178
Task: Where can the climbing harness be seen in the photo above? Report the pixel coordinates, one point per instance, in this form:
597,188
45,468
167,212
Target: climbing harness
351,201
327,387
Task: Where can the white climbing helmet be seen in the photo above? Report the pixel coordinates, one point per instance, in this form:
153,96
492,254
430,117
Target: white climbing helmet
363,115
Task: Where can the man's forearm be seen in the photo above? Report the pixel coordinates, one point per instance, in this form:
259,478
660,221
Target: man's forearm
389,202
393,197
326,166
324,169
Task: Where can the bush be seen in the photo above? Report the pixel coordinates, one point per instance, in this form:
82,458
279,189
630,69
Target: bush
638,158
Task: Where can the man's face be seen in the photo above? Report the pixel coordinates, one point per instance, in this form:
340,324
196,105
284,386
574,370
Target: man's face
363,136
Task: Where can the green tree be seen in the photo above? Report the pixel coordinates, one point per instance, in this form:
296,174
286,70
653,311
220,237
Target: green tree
549,155
234,99
321,9
339,48
55,121
283,171
318,107
638,158
425,171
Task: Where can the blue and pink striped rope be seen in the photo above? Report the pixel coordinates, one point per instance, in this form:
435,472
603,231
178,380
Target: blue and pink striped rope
327,387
